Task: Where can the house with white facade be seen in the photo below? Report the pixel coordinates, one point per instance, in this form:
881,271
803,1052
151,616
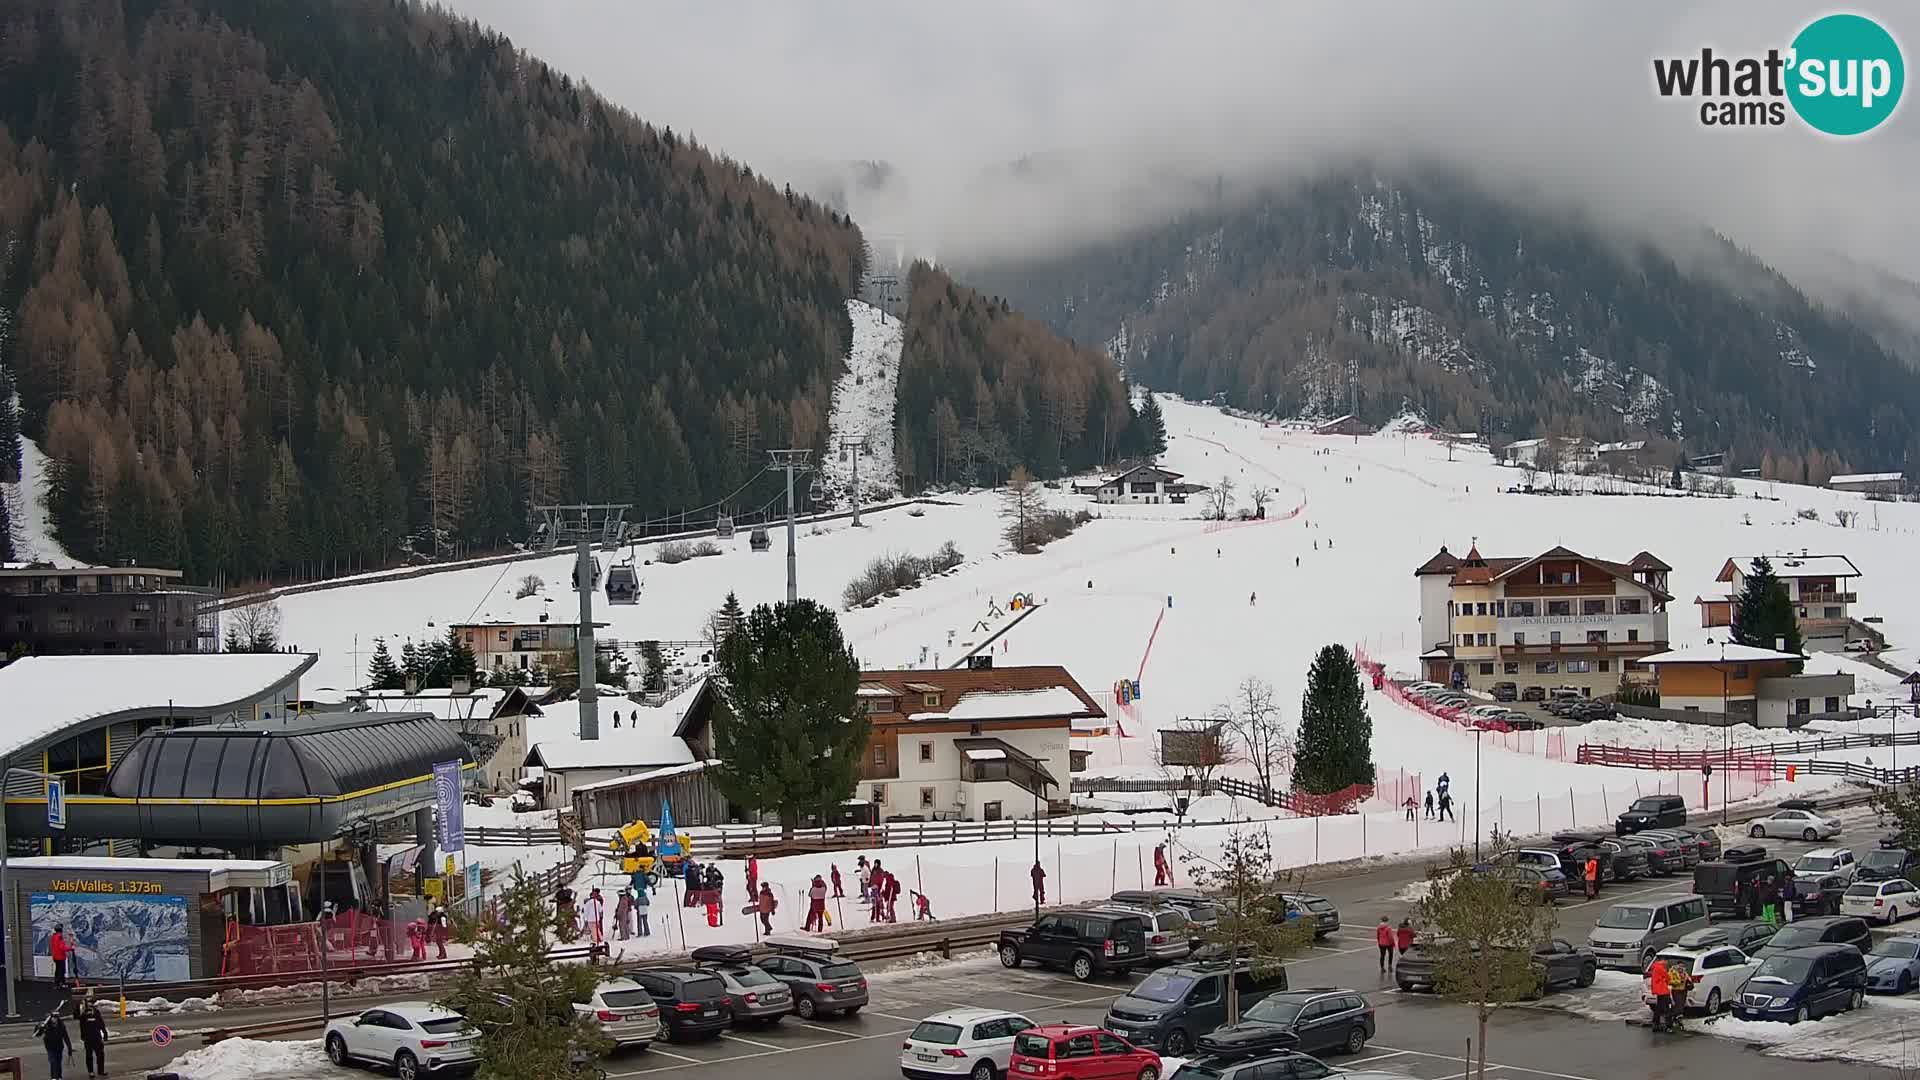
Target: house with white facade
1143,484
1821,587
1881,483
976,744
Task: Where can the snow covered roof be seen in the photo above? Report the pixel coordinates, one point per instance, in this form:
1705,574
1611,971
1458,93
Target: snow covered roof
1793,566
650,775
1016,692
47,695
1715,654
1867,478
989,753
632,751
1620,447
1016,704
477,705
1168,474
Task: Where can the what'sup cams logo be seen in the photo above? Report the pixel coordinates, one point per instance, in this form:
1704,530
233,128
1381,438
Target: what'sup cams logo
1842,75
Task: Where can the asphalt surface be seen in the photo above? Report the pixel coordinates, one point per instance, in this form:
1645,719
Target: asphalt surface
1419,1035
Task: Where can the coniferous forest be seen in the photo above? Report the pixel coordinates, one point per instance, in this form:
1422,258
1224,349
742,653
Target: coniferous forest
297,287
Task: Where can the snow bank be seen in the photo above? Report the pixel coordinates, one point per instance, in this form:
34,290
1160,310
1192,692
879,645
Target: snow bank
248,1059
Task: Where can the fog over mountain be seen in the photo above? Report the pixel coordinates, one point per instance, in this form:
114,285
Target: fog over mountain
1124,111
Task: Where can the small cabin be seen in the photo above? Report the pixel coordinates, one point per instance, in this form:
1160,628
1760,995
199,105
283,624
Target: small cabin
759,541
623,584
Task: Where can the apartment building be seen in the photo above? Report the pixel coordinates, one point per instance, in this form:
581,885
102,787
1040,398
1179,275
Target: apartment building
1821,587
50,610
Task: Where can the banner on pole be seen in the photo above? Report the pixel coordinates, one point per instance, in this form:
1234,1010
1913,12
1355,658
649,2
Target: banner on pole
451,831
669,840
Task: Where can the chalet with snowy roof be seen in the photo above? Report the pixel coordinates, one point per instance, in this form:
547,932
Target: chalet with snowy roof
1821,587
1143,484
1344,425
1889,484
506,644
1619,456
1558,618
1729,683
978,744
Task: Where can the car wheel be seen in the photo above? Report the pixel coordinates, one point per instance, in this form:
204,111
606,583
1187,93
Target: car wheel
853,1010
337,1050
1799,1015
1713,1002
1893,914
666,1032
1356,1040
1178,1043
1905,985
1858,998
806,1008
1149,1073
1587,975
1406,987
1810,835
1083,967
1757,831
983,1071
405,1067
1009,956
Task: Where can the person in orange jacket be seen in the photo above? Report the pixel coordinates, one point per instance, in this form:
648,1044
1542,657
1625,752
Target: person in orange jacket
1591,872
1660,988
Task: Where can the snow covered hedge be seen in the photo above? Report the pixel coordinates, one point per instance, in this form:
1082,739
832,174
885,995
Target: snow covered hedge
679,551
890,572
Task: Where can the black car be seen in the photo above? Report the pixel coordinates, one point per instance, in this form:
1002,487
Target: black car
1546,885
1652,812
1085,943
1804,984
1821,930
1573,861
1677,849
1277,1065
693,1004
1738,886
1320,1021
1505,691
1558,962
1172,1007
1325,916
1886,863
822,983
1631,861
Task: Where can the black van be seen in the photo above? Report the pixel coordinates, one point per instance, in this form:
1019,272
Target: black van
1804,984
1085,943
1886,863
1737,885
1652,812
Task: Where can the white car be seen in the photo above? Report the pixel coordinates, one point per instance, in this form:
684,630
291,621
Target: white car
627,1014
1718,971
1795,825
1859,645
1885,901
974,1043
414,1038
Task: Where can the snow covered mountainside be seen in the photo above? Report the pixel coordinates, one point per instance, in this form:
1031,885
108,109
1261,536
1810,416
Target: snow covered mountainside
863,402
27,509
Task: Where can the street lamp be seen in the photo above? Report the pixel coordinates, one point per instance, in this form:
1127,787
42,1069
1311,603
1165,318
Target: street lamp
7,905
1726,735
1477,732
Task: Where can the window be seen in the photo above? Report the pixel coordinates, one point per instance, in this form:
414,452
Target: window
1832,705
880,794
926,797
1604,666
1519,637
926,751
1802,706
1110,1044
1559,607
1553,637
503,636
879,755
1628,605
1830,613
1579,667
1466,639
1739,671
1633,635
931,701
1593,607
1480,609
1510,668
1546,667
1487,669
1077,1047
1500,609
1522,609
1480,639
879,704
1597,637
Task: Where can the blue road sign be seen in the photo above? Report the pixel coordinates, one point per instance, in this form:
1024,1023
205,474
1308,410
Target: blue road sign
56,804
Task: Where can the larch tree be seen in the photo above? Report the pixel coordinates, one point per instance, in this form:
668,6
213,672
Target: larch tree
1022,504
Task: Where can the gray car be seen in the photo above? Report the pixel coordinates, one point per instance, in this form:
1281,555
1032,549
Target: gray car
822,983
1170,934
756,998
1174,1006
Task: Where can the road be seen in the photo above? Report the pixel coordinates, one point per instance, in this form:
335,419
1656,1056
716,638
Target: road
1418,1034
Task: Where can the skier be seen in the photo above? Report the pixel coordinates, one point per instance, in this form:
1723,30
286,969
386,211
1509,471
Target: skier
623,915
1429,806
59,1044
1160,874
833,873
1296,561
863,874
640,905
1252,598
767,905
923,908
1410,805
753,878
892,896
1039,877
1446,807
693,882
93,1038
816,906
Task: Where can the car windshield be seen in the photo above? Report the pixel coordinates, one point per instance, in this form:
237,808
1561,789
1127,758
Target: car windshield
1786,969
1646,806
1816,863
1202,912
932,1032
750,976
1163,986
1899,948
1864,889
445,1025
840,971
1626,917
626,999
1885,858
1274,1011
706,989
1034,1046
1194,1070
1792,937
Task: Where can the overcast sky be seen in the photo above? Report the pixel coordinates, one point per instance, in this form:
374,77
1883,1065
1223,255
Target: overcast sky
1139,97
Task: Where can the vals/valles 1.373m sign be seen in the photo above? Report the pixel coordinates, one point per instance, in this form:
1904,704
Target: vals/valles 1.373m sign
1842,75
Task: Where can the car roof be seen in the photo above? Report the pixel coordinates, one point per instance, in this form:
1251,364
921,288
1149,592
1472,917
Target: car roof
1057,1030
967,1016
616,982
416,1010
1829,920
1825,948
1310,992
1825,852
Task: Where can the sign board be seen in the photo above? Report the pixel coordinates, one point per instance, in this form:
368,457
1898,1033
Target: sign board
162,1035
451,825
433,887
473,879
56,804
450,870
668,842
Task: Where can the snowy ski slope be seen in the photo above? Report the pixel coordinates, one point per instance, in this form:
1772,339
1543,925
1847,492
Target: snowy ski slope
863,402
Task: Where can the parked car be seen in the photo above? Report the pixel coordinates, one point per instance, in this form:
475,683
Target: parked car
1533,693
1893,966
1858,644
1630,933
1631,860
1678,848
1747,935
1547,884
1325,916
1174,1006
1734,886
1804,984
413,1038
1796,824
1822,930
1083,943
1198,906
1170,937
1820,876
1662,856
628,1016
1082,1052
693,1004
1884,863
1708,838
1559,962
1539,858
754,997
1271,1065
1573,861
1320,1021
1718,972
1885,901
823,983
1505,691
974,1043
1652,812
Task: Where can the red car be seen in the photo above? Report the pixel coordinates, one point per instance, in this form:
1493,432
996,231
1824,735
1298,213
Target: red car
1078,1052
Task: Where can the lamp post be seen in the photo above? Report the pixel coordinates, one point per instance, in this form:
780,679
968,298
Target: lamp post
1037,789
13,949
1477,733
1726,737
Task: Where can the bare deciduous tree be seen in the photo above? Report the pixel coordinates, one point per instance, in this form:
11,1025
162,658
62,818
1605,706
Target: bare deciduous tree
1261,496
253,627
529,585
1193,750
1254,718
1220,499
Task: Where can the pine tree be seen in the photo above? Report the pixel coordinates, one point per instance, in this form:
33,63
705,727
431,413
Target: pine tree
1763,616
1153,428
654,679
413,665
6,531
382,672
791,740
1336,734
459,657
512,994
730,616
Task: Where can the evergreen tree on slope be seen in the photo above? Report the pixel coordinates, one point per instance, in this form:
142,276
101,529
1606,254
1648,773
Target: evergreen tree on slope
1335,747
382,672
1763,616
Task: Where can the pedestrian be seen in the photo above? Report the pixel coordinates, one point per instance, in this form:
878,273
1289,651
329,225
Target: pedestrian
437,927
93,1037
1659,988
623,915
1429,806
767,905
1160,874
1446,807
640,905
833,873
1590,873
1411,806
923,908
1383,937
1039,877
417,940
1252,599
593,916
863,876
60,950
1679,979
563,907
59,1044
892,896
1403,937
1788,894
753,878
1296,561
693,882
1444,783
816,906
876,888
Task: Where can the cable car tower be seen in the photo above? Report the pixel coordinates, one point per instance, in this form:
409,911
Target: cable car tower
566,524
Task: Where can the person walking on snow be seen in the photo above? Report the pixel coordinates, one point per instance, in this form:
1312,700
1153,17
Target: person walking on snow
623,915
1252,598
1446,807
863,876
833,874
1039,877
767,905
93,1038
59,1044
1429,806
593,915
1410,805
1383,937
1160,875
753,878
816,906
640,905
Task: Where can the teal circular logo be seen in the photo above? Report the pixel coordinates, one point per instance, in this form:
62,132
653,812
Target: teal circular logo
1847,75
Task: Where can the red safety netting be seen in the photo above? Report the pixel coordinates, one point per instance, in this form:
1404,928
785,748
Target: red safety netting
352,939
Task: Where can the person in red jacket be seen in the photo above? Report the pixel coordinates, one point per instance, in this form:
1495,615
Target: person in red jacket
1160,874
1383,937
1039,877
60,950
834,873
1403,937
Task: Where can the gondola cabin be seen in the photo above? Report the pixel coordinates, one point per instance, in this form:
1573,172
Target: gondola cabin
623,584
759,540
723,527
